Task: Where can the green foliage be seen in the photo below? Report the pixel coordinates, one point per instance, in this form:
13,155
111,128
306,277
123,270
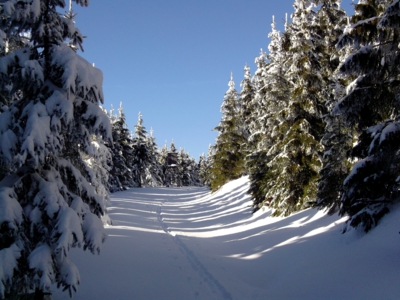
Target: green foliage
228,157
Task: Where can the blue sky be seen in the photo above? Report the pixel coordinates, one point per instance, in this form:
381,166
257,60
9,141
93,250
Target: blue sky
171,59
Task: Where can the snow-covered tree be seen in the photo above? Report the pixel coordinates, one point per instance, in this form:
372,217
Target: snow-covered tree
163,162
272,96
247,95
171,173
47,201
228,159
337,139
183,178
253,122
141,155
371,105
121,175
204,169
293,168
155,170
194,173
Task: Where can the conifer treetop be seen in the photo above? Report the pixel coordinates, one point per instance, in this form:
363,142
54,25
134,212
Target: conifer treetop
231,83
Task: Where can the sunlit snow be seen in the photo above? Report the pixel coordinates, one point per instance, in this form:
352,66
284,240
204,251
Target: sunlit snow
186,243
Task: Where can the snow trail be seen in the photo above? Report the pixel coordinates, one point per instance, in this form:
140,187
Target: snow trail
186,243
197,266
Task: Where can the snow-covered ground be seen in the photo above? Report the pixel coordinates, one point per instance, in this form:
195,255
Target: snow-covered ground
185,243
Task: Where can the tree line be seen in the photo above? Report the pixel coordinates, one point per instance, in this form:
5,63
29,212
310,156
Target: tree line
317,124
134,159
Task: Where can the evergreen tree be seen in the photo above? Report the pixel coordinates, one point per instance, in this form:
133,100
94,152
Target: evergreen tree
205,172
47,199
155,170
253,122
273,96
294,164
337,138
247,95
121,176
228,160
171,173
194,173
163,162
183,178
371,106
203,169
142,159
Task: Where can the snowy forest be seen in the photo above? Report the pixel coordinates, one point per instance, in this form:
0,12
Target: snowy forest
315,125
61,153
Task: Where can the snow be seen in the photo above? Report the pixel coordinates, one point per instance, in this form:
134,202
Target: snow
10,209
41,261
68,231
8,262
79,75
186,243
389,130
8,140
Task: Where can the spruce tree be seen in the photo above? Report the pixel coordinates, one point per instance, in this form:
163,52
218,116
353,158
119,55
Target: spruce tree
337,138
155,170
47,199
371,106
171,175
121,176
183,178
141,155
295,162
163,161
247,95
203,169
194,172
272,96
228,159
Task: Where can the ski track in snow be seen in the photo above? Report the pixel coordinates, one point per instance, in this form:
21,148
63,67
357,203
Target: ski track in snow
194,262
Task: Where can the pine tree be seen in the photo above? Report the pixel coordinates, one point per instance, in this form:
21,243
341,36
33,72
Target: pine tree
194,173
337,138
155,170
247,95
203,169
183,178
371,106
294,165
142,159
163,162
272,96
228,160
47,199
171,174
253,122
121,176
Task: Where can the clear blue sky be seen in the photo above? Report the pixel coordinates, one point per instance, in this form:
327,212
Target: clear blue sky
171,59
